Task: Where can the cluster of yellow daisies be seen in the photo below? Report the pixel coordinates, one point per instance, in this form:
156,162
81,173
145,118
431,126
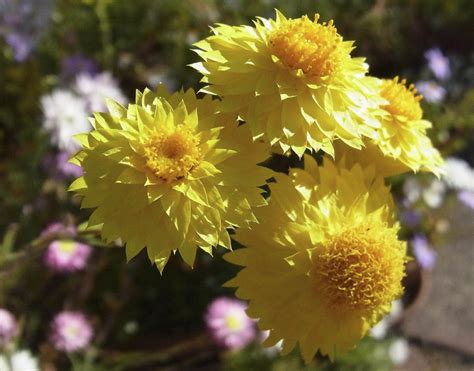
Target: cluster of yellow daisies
175,172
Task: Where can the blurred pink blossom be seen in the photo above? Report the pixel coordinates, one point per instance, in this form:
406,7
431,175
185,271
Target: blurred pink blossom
228,323
8,326
67,256
71,331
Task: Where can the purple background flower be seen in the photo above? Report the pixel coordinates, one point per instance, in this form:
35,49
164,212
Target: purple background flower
58,166
77,64
22,23
65,168
438,63
431,91
22,45
467,198
424,254
410,218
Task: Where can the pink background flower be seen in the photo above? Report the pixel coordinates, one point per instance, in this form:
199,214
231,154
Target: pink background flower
8,326
71,331
228,323
67,255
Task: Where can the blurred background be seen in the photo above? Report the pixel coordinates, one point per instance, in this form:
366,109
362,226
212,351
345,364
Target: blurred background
68,302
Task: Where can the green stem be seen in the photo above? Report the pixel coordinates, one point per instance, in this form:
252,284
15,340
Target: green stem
75,362
7,354
105,31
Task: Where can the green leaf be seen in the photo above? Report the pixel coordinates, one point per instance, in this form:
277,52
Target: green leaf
8,240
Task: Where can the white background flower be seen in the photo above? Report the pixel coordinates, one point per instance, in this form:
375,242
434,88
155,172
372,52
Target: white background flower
96,88
399,351
433,195
19,361
458,174
379,331
65,115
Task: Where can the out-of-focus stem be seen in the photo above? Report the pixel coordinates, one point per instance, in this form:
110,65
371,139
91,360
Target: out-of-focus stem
105,31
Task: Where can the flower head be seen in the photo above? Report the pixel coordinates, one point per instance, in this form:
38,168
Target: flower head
402,143
399,351
96,88
23,22
410,218
424,254
170,173
432,92
228,323
22,360
57,166
458,174
292,80
324,263
314,48
8,327
411,190
433,194
71,331
78,64
64,116
438,63
64,168
467,198
21,44
67,255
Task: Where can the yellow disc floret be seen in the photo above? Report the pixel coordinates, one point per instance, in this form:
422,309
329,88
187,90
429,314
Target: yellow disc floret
403,100
67,246
233,322
172,155
361,267
314,48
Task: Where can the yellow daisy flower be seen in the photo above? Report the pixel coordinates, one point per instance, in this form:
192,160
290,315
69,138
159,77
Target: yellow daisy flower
169,173
401,144
324,263
292,80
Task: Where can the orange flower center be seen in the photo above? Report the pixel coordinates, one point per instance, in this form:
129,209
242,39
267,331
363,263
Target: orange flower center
316,49
361,267
402,100
171,156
